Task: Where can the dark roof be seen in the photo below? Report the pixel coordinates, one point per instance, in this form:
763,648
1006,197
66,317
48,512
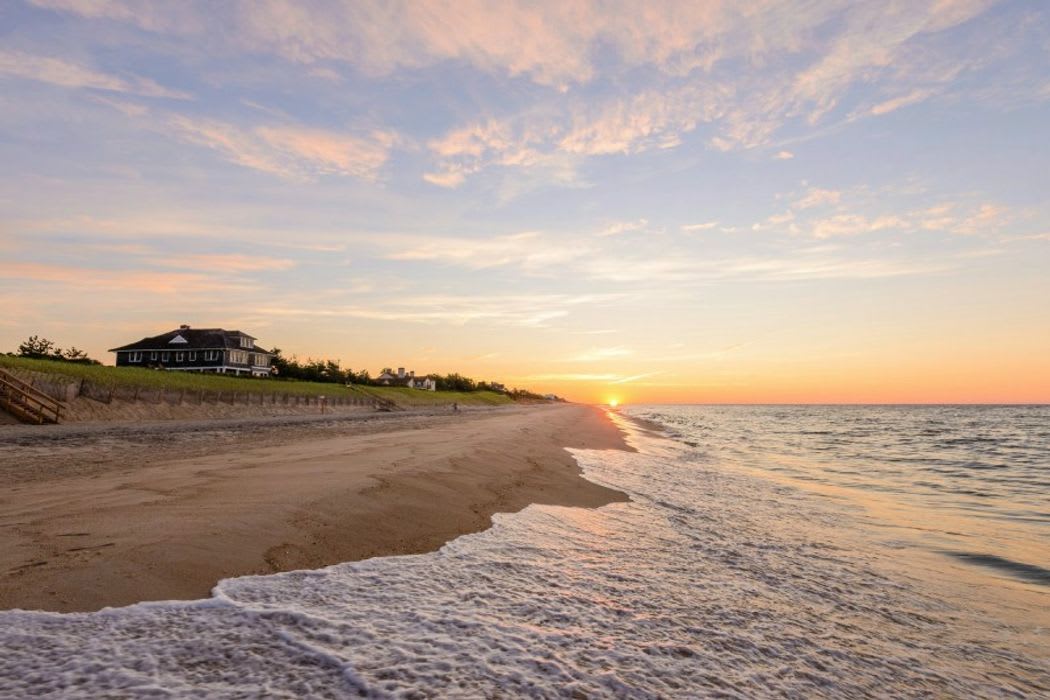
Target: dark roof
196,339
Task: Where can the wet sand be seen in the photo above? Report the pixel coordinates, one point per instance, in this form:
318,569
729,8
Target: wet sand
114,515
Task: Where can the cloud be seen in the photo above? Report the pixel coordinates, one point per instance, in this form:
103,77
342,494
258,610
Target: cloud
854,224
816,197
289,151
706,226
783,155
531,251
547,42
527,310
141,283
607,377
896,103
224,263
556,139
57,71
664,69
620,227
448,178
635,377
599,354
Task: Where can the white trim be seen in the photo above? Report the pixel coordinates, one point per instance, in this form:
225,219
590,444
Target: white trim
213,368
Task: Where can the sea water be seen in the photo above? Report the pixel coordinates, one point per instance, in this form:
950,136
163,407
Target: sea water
765,551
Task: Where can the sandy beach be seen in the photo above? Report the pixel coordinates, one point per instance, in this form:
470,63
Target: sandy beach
114,514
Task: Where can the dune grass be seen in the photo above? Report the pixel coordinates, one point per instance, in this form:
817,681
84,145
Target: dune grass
416,397
192,381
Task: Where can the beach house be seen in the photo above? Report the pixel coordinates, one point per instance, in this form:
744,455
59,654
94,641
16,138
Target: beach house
188,349
409,379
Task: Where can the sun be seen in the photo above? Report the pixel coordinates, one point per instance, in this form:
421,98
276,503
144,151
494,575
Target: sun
613,403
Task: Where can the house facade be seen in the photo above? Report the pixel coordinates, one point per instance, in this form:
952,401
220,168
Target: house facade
198,350
409,379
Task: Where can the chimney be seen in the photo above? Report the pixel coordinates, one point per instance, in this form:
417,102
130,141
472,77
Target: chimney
401,372
412,374
184,327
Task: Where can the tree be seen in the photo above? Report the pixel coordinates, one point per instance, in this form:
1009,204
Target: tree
44,349
39,348
74,355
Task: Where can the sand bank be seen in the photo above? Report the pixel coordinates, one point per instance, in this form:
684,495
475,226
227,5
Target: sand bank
118,514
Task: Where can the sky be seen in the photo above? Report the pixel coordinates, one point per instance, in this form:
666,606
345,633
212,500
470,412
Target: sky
808,201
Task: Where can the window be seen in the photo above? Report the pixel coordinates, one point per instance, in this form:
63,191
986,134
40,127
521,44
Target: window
165,356
211,355
180,357
153,356
262,360
238,357
193,357
134,357
246,342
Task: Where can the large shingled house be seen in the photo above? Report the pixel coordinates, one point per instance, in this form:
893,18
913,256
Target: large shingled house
198,350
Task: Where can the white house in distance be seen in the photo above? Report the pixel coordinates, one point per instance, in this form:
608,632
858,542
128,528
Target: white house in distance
409,379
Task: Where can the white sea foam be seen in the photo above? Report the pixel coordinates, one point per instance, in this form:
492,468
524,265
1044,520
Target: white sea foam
709,582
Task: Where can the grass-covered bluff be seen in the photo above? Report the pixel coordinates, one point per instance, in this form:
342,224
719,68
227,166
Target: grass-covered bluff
191,381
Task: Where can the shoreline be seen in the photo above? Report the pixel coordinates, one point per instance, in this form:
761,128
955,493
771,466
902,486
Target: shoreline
110,516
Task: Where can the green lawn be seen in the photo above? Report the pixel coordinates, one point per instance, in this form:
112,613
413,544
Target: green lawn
192,381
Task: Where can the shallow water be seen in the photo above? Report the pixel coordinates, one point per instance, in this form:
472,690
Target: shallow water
967,482
725,575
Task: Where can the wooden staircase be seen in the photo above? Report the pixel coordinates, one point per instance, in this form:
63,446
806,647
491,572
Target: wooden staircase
27,403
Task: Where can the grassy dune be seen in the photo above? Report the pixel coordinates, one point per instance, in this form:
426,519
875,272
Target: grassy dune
192,381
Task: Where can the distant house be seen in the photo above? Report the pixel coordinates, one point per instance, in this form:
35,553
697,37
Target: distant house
409,379
424,383
198,350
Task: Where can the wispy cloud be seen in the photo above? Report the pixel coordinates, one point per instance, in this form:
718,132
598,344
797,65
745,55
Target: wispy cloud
142,283
706,226
807,57
526,310
64,73
287,151
602,377
618,227
816,197
895,103
224,263
599,354
532,251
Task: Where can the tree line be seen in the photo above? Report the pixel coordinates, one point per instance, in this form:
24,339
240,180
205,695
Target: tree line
43,349
292,369
330,371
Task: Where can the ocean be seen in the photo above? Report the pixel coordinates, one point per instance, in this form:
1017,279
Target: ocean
765,552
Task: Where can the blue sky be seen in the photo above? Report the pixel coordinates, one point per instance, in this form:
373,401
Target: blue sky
710,201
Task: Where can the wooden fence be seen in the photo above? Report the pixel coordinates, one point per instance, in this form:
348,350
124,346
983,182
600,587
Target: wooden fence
68,390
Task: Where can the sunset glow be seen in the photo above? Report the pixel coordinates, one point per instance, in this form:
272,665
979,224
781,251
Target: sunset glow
706,202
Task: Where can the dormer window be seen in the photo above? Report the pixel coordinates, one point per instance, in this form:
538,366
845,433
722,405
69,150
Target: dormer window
246,342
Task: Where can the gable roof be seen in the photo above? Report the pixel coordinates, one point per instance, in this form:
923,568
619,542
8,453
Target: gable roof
193,339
